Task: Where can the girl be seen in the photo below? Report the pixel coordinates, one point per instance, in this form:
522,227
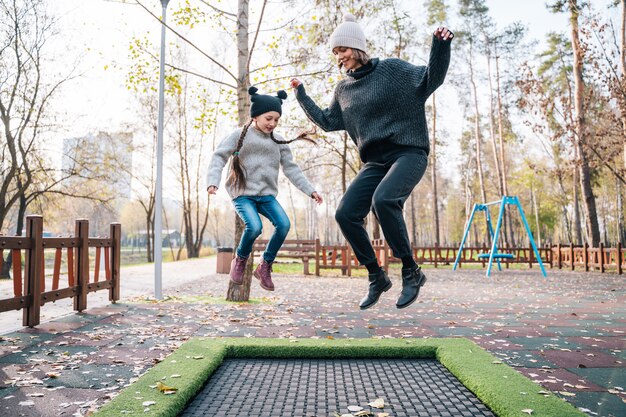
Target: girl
253,181
381,106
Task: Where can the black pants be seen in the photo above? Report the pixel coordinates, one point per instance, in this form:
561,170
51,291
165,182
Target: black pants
383,185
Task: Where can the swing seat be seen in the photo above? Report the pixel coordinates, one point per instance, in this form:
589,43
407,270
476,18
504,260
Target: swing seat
496,256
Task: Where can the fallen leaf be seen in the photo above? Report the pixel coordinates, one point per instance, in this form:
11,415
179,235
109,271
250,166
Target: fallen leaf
382,415
527,411
352,408
165,389
27,403
567,394
378,403
364,413
148,403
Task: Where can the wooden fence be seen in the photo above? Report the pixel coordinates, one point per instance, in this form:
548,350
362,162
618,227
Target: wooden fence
600,259
29,285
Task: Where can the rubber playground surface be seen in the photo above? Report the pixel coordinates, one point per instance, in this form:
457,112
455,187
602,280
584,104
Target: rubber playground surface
565,333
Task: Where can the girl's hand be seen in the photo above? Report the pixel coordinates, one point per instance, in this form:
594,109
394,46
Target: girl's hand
443,34
295,82
318,198
212,189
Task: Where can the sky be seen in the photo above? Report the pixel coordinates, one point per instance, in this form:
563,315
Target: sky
100,30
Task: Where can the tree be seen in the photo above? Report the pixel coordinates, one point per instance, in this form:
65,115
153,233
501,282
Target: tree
475,14
437,13
27,91
580,127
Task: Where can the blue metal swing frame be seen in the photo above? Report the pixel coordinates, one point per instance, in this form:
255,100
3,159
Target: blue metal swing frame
493,253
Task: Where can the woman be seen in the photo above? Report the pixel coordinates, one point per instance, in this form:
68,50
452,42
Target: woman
381,106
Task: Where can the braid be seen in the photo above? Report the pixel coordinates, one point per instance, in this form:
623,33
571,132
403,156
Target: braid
302,136
237,177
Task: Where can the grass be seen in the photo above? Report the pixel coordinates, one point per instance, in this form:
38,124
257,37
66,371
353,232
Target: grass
505,391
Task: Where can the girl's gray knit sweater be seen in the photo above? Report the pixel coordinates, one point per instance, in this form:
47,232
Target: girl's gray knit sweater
261,158
384,104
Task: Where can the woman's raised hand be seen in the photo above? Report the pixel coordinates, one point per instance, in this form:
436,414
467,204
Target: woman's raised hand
295,82
318,198
443,34
212,189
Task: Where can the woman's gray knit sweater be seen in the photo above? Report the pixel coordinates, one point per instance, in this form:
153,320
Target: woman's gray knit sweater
261,158
386,104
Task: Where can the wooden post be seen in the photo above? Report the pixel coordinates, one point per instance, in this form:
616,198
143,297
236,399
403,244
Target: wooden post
620,258
116,235
531,254
32,273
601,257
82,264
18,282
436,253
571,253
317,257
347,258
559,259
586,257
385,256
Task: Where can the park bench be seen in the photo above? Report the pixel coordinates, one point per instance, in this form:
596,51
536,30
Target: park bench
302,249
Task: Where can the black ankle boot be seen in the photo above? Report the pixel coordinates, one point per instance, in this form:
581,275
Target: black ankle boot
412,280
379,283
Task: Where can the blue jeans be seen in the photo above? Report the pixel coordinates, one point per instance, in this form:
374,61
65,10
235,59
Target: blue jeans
248,208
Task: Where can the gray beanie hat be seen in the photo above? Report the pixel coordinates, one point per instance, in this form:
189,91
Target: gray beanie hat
348,34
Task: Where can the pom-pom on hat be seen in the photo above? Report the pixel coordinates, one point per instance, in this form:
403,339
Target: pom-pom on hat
261,103
348,34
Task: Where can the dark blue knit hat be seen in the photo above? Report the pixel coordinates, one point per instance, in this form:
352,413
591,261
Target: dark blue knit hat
261,103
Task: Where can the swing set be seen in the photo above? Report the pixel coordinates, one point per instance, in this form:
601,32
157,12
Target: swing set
493,253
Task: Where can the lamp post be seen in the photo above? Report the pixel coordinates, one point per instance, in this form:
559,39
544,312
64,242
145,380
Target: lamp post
158,204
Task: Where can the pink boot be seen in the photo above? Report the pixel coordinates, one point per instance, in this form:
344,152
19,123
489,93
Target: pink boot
237,268
263,273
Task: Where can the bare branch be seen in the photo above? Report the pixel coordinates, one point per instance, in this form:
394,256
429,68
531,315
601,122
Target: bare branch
188,41
256,34
220,11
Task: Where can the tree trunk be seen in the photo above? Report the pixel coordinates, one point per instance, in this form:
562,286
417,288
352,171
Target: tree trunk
591,215
578,233
5,271
344,164
242,292
509,232
620,204
533,196
477,134
149,235
621,228
433,162
294,214
492,129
